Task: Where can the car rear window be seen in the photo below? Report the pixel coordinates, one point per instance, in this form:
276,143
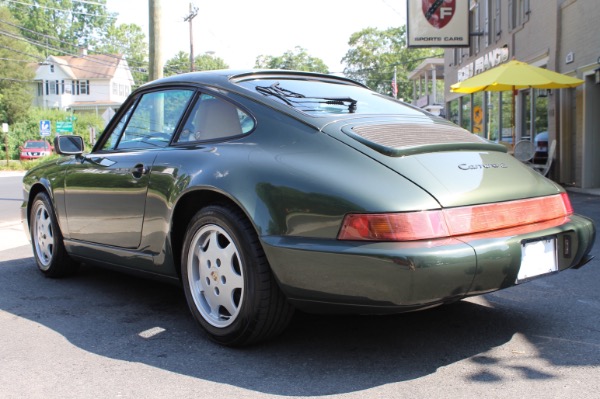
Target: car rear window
318,97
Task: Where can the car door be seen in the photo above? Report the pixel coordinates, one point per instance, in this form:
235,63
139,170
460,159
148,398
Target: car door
105,194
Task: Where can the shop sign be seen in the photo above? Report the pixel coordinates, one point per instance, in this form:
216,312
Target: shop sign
493,58
487,61
438,23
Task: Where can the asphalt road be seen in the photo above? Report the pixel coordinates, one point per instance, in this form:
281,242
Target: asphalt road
102,334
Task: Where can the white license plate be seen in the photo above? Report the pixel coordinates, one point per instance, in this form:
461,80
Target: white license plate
537,258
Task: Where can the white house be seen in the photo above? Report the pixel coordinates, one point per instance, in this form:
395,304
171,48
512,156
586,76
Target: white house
92,83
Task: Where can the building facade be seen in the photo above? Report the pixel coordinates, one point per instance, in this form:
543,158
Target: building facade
92,83
560,35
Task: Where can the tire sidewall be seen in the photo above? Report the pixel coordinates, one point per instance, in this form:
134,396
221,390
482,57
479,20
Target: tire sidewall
222,217
42,199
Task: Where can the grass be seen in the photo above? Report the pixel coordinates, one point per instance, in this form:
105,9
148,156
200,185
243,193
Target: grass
15,165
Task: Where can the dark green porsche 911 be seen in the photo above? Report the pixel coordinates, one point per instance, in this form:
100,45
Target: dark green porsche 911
266,191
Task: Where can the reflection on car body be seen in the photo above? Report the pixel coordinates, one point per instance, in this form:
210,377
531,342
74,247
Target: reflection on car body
315,194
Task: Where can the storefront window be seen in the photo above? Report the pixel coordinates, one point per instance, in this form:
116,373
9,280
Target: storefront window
541,112
466,112
526,112
453,115
506,117
493,117
478,114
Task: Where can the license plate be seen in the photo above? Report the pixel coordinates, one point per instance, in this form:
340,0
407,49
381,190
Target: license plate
537,258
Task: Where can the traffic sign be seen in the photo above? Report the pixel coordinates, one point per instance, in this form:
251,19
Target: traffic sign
64,127
45,128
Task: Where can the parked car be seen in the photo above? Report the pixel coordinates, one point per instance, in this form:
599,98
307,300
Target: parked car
262,192
34,149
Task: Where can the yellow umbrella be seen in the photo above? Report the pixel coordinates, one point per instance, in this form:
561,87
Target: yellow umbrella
515,75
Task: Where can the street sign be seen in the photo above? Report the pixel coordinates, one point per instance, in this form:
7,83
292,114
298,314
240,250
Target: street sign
64,127
44,128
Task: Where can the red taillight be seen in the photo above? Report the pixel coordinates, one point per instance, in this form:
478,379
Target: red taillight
425,225
394,226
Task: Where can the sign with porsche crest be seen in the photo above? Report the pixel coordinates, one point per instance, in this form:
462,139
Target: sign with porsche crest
438,23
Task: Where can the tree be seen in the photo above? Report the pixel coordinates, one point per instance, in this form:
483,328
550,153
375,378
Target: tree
207,62
130,41
180,63
62,25
373,54
297,59
15,73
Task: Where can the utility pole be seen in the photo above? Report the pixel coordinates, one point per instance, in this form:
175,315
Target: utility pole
189,18
155,41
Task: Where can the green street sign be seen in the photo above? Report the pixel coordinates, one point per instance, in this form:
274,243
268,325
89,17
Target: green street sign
64,127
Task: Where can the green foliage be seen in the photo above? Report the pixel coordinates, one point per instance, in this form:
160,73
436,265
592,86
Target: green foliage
180,63
29,128
62,24
374,54
128,40
15,95
296,60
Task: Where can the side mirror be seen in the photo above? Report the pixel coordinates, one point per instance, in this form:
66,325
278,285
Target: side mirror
69,145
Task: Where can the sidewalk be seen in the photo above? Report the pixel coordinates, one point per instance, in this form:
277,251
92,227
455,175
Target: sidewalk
10,173
11,231
12,235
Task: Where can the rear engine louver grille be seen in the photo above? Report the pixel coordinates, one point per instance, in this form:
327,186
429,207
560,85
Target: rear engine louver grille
402,136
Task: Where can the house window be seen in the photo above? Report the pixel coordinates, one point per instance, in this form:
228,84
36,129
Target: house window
475,26
497,26
40,89
518,13
115,89
84,87
52,87
489,19
52,68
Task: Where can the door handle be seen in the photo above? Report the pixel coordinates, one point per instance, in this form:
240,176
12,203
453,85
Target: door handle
139,170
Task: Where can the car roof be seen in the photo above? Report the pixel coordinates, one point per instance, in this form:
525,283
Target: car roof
227,78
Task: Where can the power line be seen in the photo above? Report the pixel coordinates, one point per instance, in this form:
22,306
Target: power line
132,67
89,58
59,9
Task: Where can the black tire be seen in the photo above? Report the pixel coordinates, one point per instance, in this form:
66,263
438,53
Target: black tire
227,280
47,240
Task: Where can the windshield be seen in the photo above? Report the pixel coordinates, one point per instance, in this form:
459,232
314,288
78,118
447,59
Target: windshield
316,97
35,144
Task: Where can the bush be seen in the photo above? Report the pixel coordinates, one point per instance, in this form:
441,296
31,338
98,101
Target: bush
29,129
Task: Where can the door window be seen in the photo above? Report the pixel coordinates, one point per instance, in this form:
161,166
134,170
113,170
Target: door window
151,122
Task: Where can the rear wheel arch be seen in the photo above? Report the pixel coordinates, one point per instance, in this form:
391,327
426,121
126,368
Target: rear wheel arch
185,209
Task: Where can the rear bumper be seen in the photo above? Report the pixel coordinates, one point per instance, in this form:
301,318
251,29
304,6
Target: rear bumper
388,277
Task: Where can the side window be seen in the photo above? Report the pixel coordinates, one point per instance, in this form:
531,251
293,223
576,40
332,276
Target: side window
213,118
152,122
113,139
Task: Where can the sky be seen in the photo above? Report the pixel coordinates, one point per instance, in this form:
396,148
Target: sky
238,31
